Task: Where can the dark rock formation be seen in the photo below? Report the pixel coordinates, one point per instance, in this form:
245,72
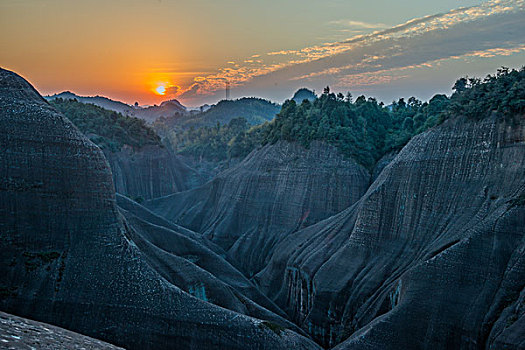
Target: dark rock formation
276,190
71,258
192,263
432,256
20,334
382,163
150,172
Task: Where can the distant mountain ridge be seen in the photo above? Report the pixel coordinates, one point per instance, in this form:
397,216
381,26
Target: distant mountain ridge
149,113
254,110
304,94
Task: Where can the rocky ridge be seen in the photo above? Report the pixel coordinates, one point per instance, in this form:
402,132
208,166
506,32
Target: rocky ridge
18,333
72,258
150,172
276,190
430,257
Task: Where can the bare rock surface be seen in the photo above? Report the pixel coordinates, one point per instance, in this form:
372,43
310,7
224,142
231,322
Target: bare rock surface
69,256
19,333
150,172
276,190
431,257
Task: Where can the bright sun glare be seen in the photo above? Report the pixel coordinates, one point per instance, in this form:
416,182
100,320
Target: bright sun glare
161,90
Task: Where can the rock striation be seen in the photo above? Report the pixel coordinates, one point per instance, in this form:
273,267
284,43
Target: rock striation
19,334
72,258
276,190
150,172
431,257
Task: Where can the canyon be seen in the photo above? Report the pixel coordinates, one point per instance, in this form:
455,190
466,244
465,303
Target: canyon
293,247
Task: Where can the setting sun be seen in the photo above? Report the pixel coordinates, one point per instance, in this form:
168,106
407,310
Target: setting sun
161,90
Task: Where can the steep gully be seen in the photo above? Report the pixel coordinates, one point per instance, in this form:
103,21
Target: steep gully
431,256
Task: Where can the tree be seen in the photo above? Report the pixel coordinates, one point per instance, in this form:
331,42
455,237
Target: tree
348,97
460,85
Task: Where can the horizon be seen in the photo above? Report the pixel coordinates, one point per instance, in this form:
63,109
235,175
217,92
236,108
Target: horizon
404,50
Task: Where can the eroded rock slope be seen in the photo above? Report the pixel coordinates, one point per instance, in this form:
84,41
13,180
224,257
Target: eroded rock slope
17,333
276,190
150,172
431,257
72,258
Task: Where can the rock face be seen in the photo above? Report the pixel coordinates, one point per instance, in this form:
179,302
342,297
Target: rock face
431,257
19,334
276,190
150,172
194,264
72,258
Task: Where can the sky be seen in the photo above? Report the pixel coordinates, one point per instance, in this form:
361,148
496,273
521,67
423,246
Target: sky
147,51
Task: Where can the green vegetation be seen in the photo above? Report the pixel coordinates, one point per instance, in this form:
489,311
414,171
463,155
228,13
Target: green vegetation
502,93
274,327
254,110
213,143
366,130
210,134
108,129
363,130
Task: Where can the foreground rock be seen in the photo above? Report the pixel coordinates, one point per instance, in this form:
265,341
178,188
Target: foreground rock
20,334
276,190
431,257
69,257
196,265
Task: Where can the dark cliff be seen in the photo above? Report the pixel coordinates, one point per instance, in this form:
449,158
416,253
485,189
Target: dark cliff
276,190
142,167
72,258
150,172
431,257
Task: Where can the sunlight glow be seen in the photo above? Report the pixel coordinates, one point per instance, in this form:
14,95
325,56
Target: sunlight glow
161,90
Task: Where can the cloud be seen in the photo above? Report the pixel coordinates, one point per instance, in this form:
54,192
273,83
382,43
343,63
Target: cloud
357,24
172,90
494,28
192,92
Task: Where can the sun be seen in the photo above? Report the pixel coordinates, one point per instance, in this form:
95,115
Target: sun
161,90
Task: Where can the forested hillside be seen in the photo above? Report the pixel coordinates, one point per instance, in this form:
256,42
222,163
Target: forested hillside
503,93
363,130
108,129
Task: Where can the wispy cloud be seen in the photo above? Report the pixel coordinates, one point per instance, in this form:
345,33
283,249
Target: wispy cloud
357,24
491,29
